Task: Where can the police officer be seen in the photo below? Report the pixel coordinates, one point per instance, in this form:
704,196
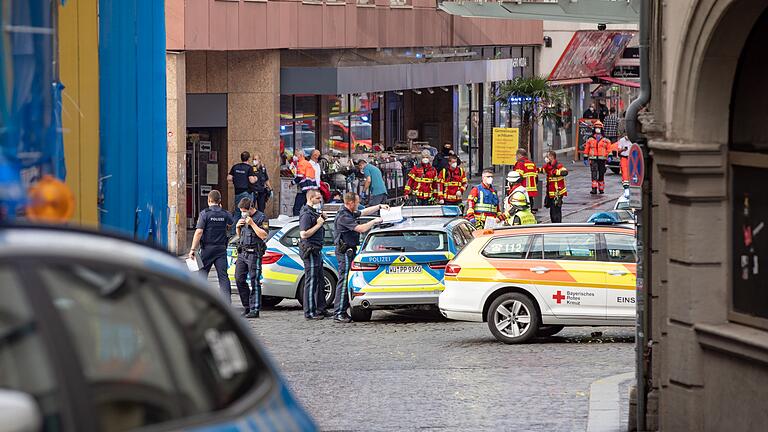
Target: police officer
347,236
311,228
242,176
211,234
252,229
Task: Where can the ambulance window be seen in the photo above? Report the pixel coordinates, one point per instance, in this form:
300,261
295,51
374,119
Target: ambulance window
572,247
507,247
537,248
621,248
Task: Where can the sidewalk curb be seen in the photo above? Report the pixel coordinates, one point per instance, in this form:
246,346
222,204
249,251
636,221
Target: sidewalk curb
605,403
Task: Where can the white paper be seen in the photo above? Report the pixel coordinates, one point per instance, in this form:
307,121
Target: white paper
394,214
212,174
193,264
490,223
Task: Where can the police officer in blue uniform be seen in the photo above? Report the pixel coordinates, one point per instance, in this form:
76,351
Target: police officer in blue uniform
242,176
211,234
311,228
252,228
347,237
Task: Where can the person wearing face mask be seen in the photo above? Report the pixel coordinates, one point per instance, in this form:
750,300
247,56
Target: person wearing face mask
483,202
311,232
252,228
556,190
596,150
422,182
451,183
441,160
305,181
262,189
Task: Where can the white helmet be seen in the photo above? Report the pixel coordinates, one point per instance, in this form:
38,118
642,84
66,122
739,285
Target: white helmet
513,176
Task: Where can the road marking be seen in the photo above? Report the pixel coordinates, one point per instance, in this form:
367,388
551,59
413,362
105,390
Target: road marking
605,403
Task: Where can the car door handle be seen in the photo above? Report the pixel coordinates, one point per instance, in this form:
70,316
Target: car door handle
539,270
617,272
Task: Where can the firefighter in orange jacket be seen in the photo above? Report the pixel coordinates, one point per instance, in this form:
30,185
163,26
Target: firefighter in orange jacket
451,183
596,150
621,147
530,174
483,202
422,182
556,190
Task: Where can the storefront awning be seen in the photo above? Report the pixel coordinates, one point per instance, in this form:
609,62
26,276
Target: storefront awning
591,54
571,82
621,82
362,79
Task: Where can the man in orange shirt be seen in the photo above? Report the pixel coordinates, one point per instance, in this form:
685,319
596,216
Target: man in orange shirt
596,150
304,181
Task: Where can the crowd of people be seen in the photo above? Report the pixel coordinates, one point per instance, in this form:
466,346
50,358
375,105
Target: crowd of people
434,181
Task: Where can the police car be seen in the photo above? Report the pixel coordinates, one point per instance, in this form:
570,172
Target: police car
119,336
282,269
401,264
535,279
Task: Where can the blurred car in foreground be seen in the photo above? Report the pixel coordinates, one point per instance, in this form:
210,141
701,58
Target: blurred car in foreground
99,333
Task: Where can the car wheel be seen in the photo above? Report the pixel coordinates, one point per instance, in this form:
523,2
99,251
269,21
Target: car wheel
328,285
361,314
270,301
546,331
512,318
615,170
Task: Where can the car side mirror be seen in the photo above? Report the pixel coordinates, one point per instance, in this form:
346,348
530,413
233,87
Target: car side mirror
19,412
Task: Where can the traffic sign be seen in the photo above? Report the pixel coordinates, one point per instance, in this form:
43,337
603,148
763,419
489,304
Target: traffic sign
635,197
636,165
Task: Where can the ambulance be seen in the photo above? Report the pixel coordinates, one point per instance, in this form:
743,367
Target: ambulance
536,279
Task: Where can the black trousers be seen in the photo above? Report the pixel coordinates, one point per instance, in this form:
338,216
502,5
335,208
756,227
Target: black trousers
555,213
298,203
314,294
217,256
261,199
248,266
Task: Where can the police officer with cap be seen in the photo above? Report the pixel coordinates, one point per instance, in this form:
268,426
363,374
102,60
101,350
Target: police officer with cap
211,235
311,228
347,238
252,228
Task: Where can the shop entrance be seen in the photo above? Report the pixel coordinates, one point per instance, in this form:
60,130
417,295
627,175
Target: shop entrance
206,169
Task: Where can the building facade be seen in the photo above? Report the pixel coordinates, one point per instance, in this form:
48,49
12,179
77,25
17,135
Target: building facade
707,358
356,79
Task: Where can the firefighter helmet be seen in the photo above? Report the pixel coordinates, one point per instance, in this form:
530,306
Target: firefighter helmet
513,177
518,200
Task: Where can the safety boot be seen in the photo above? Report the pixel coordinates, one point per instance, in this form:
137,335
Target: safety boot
594,191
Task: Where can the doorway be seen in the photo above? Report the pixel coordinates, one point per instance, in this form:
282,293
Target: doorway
206,169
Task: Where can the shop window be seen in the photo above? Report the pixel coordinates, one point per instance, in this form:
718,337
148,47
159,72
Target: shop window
298,125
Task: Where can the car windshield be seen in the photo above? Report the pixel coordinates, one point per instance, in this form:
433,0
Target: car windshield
406,241
362,131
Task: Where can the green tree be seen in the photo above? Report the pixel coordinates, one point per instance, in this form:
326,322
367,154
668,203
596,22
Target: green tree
539,99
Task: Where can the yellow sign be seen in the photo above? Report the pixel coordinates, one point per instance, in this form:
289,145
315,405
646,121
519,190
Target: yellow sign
505,144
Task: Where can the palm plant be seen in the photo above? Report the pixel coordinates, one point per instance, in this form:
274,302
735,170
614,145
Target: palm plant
539,100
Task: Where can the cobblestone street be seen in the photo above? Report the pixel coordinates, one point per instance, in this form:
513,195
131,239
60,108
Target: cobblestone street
414,370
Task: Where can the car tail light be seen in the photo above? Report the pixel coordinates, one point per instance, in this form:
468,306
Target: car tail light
359,266
452,270
271,257
438,265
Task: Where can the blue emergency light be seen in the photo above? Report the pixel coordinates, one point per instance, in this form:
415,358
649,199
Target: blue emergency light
607,218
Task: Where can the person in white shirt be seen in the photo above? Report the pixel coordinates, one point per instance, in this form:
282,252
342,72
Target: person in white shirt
314,160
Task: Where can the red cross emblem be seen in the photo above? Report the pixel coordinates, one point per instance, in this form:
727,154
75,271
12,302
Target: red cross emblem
559,297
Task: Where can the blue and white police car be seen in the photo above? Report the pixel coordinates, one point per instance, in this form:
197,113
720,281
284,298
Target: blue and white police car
401,265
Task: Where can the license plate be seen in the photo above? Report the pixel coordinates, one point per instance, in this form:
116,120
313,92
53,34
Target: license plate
404,269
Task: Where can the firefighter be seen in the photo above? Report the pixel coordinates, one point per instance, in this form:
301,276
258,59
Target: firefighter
530,174
452,182
596,150
514,184
483,202
556,190
520,214
422,182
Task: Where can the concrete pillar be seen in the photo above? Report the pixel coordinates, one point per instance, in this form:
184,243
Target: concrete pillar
253,112
177,150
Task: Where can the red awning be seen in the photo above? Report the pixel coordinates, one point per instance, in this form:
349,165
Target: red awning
620,82
591,54
571,82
